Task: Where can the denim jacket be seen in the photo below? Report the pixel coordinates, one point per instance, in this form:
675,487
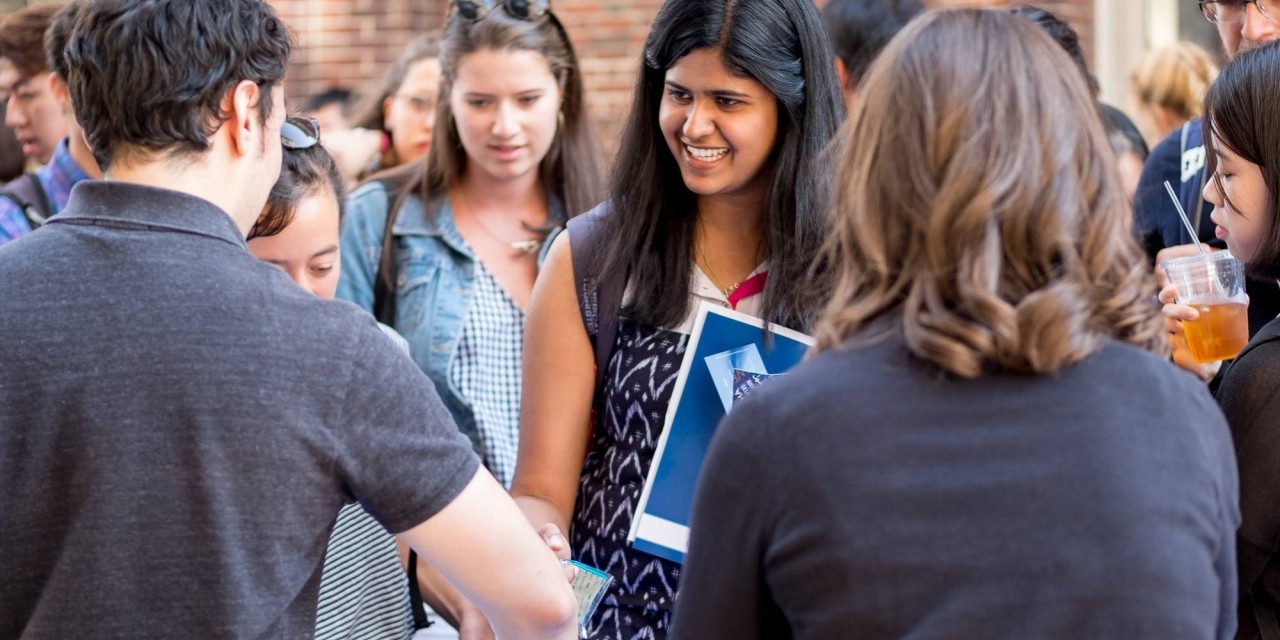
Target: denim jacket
434,280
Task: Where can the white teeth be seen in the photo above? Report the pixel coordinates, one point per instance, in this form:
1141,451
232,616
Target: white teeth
706,154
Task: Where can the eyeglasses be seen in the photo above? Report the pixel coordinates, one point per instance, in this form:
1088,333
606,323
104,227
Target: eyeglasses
300,132
419,104
1233,11
519,9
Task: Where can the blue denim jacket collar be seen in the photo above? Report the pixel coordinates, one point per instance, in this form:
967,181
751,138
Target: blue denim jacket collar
414,220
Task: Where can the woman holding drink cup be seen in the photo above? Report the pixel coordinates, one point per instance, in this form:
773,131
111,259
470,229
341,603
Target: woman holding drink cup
1242,135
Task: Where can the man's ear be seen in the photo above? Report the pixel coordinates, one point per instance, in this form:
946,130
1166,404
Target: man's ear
243,124
58,87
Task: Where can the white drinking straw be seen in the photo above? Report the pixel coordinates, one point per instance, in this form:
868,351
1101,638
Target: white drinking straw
1183,214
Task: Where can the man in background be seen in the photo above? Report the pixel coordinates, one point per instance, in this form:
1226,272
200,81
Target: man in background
40,116
859,30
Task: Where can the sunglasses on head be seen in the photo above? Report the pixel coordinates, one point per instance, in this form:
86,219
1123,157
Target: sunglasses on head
519,9
300,132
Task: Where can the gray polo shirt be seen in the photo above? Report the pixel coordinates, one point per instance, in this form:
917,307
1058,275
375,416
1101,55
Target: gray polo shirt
180,424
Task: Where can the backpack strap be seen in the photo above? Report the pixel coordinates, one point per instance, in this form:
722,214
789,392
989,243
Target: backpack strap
399,183
599,294
1264,615
29,196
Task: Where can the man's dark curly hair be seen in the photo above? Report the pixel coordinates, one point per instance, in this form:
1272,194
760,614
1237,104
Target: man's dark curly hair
149,76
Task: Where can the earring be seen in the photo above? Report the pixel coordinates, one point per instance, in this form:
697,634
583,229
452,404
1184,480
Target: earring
560,118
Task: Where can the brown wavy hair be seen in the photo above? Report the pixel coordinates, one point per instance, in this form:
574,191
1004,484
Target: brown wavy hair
980,213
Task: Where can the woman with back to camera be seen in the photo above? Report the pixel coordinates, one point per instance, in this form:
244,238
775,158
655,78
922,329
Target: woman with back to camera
990,442
719,194
1242,138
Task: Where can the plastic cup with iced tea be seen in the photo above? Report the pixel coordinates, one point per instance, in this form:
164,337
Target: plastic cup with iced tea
1214,285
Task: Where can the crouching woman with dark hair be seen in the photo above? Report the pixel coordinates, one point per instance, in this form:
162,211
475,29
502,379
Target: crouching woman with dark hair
363,590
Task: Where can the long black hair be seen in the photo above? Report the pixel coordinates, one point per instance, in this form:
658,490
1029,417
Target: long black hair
783,45
1242,113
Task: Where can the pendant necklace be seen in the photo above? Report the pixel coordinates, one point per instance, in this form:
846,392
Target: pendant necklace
523,248
711,275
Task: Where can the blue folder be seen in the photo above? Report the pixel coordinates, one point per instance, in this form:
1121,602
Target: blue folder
661,524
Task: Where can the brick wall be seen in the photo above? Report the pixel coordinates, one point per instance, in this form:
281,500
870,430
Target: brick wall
351,42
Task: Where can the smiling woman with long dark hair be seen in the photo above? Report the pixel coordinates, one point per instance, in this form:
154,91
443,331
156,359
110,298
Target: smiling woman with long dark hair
719,194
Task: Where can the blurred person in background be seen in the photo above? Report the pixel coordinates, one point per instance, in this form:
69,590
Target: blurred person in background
42,194
12,162
1131,155
33,112
1169,84
989,441
394,123
331,109
859,30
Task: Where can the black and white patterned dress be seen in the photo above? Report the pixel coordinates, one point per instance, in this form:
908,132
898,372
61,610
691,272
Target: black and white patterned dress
638,386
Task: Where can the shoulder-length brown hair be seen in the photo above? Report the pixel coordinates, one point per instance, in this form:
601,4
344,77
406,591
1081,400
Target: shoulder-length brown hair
980,208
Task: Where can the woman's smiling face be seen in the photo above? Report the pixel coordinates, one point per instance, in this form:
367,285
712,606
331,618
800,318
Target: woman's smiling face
720,126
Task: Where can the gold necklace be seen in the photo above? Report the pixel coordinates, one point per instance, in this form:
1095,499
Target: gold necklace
711,274
523,248
715,280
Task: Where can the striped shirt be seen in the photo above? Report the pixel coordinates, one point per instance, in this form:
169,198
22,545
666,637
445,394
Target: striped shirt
364,592
486,371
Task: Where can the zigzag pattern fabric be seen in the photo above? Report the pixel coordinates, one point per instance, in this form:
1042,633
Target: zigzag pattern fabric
638,387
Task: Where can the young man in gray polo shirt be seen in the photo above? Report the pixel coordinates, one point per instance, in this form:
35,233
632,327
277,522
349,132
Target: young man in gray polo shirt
180,423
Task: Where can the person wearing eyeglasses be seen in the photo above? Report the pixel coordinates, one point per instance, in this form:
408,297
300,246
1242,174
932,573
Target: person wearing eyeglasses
189,423
1180,160
400,115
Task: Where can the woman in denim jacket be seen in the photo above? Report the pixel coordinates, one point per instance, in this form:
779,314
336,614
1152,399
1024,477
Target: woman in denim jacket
514,157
